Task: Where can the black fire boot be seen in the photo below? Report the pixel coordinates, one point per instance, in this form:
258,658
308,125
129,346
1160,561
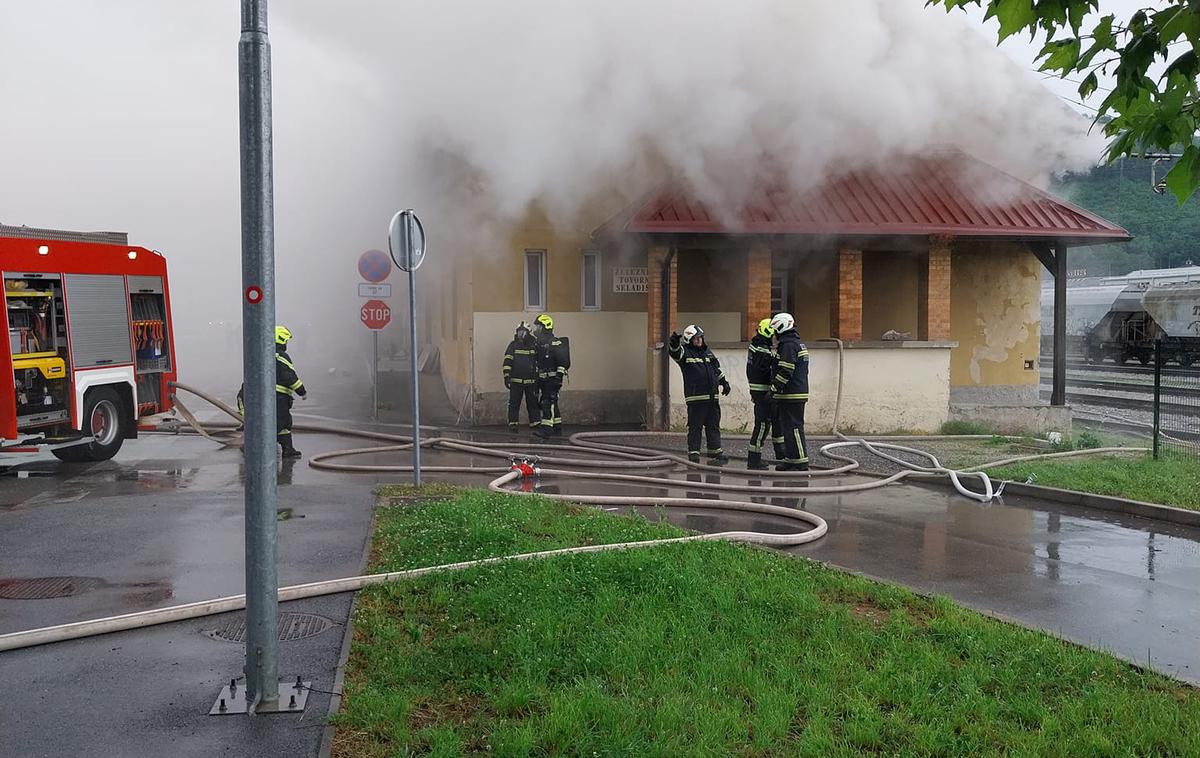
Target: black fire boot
289,451
754,462
718,459
694,457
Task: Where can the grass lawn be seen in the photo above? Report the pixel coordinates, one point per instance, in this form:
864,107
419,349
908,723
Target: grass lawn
1171,480
705,649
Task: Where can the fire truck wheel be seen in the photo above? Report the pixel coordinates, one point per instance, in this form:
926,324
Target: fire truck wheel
104,418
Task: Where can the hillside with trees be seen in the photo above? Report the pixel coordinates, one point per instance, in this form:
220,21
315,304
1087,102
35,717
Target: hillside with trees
1165,234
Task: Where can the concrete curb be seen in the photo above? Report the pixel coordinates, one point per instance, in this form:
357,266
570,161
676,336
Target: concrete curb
339,676
1110,503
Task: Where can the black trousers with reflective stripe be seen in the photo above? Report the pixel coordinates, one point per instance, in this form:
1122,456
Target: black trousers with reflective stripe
283,418
791,423
551,414
766,424
704,416
532,407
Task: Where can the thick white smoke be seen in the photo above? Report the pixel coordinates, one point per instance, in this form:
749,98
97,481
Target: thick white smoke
124,115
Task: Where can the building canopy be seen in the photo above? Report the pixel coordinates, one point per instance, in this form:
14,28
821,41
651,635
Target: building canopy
946,194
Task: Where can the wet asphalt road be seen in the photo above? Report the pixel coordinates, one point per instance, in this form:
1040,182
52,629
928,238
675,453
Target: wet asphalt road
161,524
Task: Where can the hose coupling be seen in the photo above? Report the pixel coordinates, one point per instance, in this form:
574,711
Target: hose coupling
526,468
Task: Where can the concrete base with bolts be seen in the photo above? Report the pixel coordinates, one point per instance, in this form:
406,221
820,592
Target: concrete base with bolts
293,695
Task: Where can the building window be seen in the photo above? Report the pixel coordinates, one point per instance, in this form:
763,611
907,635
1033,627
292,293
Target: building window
779,290
535,280
591,281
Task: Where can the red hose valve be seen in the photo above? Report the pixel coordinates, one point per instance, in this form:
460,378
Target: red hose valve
527,470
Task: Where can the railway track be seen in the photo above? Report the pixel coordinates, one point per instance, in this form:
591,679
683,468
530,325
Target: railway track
1128,403
1147,389
1047,365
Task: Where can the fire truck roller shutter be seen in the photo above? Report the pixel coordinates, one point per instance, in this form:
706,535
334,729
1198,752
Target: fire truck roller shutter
98,314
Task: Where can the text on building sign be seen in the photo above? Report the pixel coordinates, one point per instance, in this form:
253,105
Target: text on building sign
629,280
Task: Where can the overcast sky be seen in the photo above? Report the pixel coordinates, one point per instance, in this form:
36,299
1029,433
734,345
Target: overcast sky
123,115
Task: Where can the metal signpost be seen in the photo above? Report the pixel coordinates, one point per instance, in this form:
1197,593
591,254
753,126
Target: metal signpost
261,691
406,243
374,266
375,314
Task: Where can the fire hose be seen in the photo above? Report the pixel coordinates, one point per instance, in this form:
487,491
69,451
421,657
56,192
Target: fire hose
604,453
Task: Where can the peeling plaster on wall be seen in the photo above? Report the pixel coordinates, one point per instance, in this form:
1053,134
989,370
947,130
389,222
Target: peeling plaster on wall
1006,314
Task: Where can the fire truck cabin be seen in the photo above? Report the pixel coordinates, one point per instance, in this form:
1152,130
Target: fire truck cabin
89,343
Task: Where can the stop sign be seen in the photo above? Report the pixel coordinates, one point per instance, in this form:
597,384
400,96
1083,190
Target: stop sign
375,314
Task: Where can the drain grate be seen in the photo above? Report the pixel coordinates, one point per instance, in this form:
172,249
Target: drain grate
47,587
292,626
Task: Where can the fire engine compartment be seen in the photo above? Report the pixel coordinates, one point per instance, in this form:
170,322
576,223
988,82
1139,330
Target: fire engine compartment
37,339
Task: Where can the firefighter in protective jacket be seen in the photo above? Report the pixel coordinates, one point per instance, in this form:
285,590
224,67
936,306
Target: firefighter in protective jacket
760,367
521,377
553,360
287,386
789,390
702,379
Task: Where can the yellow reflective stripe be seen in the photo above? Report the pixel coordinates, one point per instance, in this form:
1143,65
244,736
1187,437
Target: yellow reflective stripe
524,352
796,396
785,363
284,390
690,398
760,387
697,360
297,384
802,354
285,361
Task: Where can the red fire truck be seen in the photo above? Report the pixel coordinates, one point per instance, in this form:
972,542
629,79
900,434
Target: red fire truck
89,347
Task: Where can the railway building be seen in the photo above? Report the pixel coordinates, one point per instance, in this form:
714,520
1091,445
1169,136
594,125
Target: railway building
927,270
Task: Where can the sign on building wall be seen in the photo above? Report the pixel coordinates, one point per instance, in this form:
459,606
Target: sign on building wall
629,280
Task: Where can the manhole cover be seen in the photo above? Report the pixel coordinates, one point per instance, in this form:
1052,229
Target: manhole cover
46,587
292,626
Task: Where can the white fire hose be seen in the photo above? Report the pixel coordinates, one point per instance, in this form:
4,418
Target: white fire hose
604,454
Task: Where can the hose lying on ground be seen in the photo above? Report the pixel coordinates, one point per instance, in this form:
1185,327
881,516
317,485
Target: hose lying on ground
606,455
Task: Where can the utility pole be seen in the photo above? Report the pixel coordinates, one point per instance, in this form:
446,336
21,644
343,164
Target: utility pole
258,358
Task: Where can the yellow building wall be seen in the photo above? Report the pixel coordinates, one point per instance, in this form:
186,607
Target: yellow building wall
889,293
995,289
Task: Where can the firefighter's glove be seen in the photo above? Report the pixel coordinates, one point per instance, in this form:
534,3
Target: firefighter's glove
674,340
507,383
725,388
303,391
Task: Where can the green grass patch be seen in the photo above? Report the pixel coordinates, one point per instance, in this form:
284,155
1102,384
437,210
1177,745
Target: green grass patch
966,427
1171,480
705,649
427,491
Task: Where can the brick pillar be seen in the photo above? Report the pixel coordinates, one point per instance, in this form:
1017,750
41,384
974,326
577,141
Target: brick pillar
758,288
933,292
657,402
845,316
655,257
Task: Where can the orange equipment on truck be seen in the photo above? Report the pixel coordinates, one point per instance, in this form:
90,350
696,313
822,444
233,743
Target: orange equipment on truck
89,344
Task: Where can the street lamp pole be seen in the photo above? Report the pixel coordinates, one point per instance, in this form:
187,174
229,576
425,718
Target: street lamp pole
258,358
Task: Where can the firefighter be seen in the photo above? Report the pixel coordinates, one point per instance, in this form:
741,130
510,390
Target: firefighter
702,378
789,391
287,386
760,367
553,360
521,378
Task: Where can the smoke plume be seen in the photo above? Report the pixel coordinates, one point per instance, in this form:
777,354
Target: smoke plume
124,115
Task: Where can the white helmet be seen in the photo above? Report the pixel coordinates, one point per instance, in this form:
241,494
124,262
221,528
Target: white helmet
691,331
783,322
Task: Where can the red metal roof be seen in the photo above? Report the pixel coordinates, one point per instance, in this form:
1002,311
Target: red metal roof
950,194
